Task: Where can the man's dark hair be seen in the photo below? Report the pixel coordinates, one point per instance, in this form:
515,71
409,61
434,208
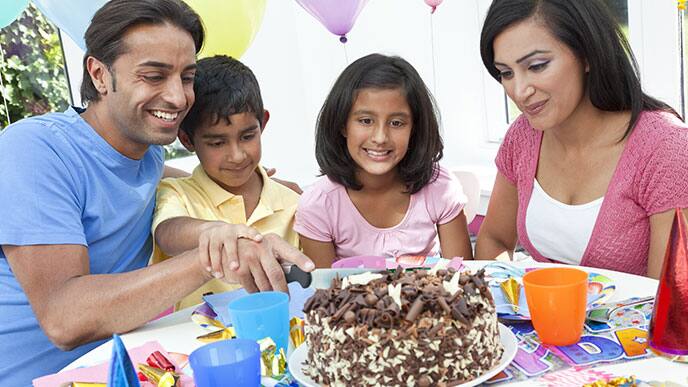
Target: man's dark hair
223,86
590,30
376,71
104,36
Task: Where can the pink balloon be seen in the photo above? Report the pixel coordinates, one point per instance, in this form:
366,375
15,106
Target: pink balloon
338,16
434,4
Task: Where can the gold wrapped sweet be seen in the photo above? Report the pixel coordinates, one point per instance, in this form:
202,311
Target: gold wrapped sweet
272,362
615,382
222,334
296,334
158,377
512,292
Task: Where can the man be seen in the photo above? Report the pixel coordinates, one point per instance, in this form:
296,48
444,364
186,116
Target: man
77,195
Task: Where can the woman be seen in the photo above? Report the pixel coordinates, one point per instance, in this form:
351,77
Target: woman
591,171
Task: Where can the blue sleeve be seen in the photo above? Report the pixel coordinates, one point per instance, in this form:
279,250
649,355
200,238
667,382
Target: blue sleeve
39,187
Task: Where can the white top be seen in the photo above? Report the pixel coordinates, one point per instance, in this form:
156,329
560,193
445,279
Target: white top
560,231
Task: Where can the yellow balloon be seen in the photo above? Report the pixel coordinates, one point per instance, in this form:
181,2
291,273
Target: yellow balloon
230,25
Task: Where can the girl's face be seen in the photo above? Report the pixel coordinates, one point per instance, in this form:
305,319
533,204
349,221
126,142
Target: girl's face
378,130
540,74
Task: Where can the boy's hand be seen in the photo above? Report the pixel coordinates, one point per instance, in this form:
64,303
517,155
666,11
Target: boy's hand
217,246
289,184
260,267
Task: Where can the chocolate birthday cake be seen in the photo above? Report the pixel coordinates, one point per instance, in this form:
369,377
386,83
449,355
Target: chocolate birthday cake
402,328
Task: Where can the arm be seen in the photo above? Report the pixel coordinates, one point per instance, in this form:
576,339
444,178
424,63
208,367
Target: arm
454,239
660,228
322,253
498,232
74,307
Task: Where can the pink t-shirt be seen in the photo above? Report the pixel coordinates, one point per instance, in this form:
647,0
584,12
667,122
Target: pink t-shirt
326,213
651,177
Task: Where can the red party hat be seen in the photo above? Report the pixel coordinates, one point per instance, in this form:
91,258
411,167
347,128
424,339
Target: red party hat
669,326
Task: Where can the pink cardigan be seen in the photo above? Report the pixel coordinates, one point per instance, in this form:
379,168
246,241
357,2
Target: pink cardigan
651,177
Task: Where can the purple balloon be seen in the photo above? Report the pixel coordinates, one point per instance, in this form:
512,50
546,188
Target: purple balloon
338,16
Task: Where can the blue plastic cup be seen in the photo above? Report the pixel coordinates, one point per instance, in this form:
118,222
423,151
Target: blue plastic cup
226,363
260,315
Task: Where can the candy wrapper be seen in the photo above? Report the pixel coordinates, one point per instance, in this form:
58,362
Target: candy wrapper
159,377
272,362
206,317
615,382
222,334
512,290
296,334
158,360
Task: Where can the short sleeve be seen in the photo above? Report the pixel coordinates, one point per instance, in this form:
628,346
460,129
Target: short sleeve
446,197
506,156
169,202
40,190
664,180
313,215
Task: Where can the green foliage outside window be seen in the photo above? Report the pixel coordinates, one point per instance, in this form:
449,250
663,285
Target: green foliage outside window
32,70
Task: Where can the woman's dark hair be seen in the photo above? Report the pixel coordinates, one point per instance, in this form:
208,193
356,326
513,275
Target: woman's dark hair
590,30
223,86
419,165
111,22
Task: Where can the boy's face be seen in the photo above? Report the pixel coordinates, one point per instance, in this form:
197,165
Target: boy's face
229,153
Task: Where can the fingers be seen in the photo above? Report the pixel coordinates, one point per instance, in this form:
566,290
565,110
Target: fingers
261,280
273,271
286,252
215,253
243,231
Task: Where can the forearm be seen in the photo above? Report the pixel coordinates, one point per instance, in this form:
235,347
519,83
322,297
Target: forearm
488,247
92,307
177,235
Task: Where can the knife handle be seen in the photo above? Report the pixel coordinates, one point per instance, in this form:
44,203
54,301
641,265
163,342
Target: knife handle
294,274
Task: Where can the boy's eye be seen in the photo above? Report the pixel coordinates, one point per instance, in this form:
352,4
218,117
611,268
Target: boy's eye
248,137
365,121
216,144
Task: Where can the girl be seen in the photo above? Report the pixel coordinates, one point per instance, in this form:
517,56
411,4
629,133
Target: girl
591,171
383,193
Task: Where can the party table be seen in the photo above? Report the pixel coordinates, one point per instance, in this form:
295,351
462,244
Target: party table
177,333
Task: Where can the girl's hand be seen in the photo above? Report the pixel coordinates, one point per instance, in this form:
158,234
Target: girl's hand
217,246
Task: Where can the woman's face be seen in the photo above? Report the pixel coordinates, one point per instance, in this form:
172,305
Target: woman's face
540,74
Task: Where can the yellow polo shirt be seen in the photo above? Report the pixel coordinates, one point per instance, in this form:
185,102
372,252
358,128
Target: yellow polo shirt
197,196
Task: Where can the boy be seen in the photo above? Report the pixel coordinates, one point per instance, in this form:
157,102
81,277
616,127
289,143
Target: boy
224,128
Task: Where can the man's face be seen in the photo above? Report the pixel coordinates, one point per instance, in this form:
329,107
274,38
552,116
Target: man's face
149,87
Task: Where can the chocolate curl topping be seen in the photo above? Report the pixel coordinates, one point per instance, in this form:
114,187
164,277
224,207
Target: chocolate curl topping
415,310
340,312
443,304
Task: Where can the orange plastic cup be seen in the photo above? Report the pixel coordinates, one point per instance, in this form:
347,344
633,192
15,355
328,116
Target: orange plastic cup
557,299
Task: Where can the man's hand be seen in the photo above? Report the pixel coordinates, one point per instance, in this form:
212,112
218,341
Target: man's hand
289,184
260,269
217,246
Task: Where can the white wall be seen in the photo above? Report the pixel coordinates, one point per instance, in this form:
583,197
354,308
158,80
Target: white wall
297,60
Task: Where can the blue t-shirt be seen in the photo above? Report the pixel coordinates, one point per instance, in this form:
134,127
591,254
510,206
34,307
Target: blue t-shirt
62,183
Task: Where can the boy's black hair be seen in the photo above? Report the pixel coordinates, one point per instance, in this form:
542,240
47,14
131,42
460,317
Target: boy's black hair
223,86
590,30
104,36
419,166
